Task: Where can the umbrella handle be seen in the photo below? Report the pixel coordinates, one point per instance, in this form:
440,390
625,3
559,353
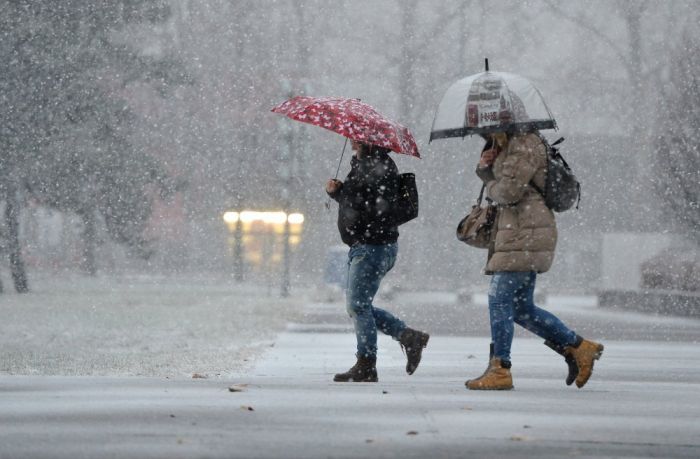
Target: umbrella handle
328,203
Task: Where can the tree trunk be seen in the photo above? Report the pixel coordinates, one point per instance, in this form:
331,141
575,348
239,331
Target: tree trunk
19,275
89,263
406,65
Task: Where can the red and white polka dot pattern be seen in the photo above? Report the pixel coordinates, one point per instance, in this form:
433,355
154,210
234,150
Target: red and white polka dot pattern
351,118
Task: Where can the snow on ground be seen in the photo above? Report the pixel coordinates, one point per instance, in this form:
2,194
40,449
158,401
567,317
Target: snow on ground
642,401
146,335
137,325
148,325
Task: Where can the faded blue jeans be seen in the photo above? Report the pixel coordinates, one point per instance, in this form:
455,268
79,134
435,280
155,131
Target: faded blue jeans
511,301
367,266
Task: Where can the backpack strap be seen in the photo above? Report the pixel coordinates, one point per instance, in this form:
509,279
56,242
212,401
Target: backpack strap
538,189
548,149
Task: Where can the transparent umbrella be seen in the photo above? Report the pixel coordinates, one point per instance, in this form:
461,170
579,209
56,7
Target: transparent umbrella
491,102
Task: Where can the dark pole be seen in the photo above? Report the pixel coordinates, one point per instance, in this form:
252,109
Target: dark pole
269,240
286,197
486,63
286,261
238,252
89,261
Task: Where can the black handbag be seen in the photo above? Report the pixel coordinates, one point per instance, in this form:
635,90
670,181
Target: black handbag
407,203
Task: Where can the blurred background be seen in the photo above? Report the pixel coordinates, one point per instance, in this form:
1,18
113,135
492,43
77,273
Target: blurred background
136,136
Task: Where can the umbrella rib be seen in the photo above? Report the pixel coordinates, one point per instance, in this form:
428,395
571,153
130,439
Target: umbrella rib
551,117
546,107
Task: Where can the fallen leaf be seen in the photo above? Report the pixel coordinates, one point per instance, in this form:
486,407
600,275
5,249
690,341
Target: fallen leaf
247,408
198,376
385,392
412,432
237,387
369,440
466,408
172,415
518,438
471,356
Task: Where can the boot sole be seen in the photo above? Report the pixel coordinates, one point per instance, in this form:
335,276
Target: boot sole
490,388
372,378
598,354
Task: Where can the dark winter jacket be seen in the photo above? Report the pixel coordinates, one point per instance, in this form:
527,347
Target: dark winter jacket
366,200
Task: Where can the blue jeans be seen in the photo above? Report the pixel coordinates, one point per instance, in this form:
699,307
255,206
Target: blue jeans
367,266
511,300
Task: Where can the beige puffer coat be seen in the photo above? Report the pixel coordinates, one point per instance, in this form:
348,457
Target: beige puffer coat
526,233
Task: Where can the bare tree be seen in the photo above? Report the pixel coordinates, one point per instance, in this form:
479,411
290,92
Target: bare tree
677,162
643,59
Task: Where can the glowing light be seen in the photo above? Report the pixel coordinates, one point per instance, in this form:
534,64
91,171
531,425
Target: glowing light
295,219
231,217
275,218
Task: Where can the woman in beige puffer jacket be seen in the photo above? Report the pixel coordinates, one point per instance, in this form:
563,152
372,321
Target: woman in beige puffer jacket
526,233
513,168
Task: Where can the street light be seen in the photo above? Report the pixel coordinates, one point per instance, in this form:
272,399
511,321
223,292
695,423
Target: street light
257,232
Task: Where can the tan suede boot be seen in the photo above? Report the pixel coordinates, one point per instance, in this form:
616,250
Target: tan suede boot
585,354
570,361
496,377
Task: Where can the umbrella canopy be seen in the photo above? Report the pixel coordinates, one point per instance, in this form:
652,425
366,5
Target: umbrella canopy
352,119
490,102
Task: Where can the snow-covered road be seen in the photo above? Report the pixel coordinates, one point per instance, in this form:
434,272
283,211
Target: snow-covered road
103,368
641,402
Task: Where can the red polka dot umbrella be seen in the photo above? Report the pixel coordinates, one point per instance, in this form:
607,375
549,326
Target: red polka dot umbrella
352,119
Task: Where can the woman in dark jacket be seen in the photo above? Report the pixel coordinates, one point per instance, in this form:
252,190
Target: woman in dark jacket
366,223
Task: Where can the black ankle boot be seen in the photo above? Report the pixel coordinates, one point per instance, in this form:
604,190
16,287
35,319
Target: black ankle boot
364,370
413,341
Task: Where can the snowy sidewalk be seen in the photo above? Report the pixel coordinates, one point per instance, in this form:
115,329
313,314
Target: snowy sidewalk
642,401
138,325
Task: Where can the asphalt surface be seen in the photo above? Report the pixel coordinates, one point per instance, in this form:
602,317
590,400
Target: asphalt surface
449,314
